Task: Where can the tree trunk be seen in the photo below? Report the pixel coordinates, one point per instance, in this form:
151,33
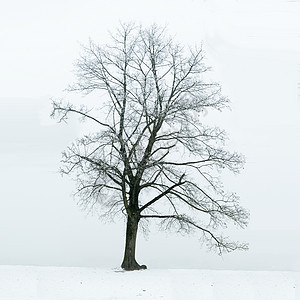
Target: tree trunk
129,263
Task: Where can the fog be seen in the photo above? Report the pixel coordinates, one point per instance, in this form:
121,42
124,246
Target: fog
254,49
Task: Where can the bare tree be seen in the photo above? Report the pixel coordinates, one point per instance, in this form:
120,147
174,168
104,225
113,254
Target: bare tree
151,156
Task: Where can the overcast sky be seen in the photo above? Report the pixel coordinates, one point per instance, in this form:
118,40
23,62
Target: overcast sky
254,49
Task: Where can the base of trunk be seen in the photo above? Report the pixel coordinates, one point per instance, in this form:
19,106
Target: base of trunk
131,266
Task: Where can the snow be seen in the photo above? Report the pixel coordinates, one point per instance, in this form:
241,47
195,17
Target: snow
69,283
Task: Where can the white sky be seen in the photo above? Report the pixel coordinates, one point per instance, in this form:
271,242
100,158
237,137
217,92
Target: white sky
254,49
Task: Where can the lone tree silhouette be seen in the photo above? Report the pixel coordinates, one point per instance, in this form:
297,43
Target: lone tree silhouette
151,157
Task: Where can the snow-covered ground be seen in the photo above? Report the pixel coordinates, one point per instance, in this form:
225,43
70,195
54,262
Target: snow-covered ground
61,283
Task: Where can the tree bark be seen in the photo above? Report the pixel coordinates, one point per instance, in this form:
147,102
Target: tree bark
129,263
